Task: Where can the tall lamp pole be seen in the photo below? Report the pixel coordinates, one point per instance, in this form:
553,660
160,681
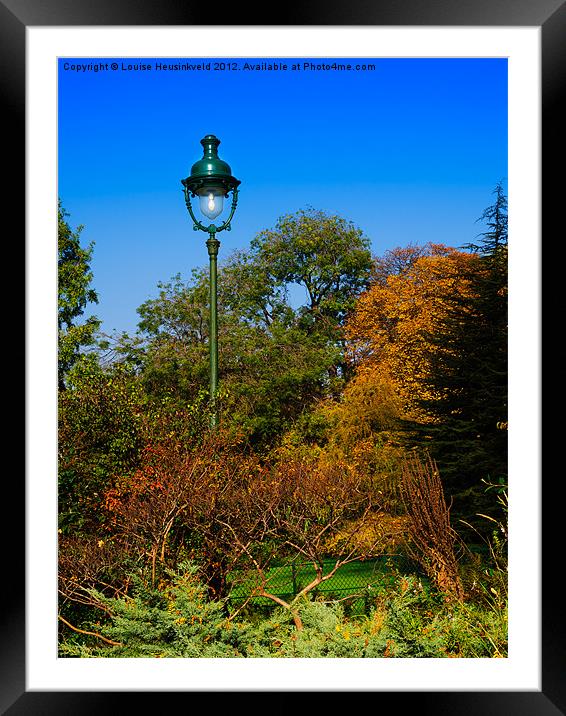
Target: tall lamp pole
211,181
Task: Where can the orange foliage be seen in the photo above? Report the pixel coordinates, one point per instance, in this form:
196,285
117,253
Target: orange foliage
389,332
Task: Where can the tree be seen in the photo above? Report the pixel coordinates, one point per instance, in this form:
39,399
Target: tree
275,361
434,325
186,499
233,510
403,334
252,294
74,279
270,369
395,262
493,242
391,331
469,371
325,254
308,510
171,345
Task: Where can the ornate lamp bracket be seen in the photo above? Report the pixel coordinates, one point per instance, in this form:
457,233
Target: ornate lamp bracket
211,229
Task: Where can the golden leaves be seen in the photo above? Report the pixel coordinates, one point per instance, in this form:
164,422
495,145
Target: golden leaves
391,332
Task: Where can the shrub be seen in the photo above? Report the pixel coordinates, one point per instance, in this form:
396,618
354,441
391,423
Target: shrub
171,620
176,619
431,537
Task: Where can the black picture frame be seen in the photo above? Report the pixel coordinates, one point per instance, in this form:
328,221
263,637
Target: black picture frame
15,17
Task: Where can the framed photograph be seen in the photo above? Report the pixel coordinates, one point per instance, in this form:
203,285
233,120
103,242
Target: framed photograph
88,81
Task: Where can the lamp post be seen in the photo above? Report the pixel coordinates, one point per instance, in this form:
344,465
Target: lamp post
211,181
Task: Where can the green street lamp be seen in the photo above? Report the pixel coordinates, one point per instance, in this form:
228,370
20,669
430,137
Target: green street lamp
211,181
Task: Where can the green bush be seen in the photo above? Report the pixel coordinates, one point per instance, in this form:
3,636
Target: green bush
172,620
100,436
175,619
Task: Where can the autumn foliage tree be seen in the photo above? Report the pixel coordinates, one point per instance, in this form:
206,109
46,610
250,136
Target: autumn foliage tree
433,326
174,503
389,332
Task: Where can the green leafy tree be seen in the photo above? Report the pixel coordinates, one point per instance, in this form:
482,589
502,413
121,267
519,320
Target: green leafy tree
275,360
251,294
171,345
325,254
75,293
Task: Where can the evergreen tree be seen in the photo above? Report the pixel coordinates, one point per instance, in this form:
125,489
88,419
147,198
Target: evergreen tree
469,435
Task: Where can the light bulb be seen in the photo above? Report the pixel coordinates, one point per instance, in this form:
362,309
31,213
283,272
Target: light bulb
211,203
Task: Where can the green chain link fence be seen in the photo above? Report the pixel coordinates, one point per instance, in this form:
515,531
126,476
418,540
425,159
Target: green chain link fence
354,582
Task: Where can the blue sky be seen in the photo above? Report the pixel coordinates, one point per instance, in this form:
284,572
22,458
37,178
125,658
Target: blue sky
409,151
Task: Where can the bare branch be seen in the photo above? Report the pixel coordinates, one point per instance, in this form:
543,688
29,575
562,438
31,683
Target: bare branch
90,633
